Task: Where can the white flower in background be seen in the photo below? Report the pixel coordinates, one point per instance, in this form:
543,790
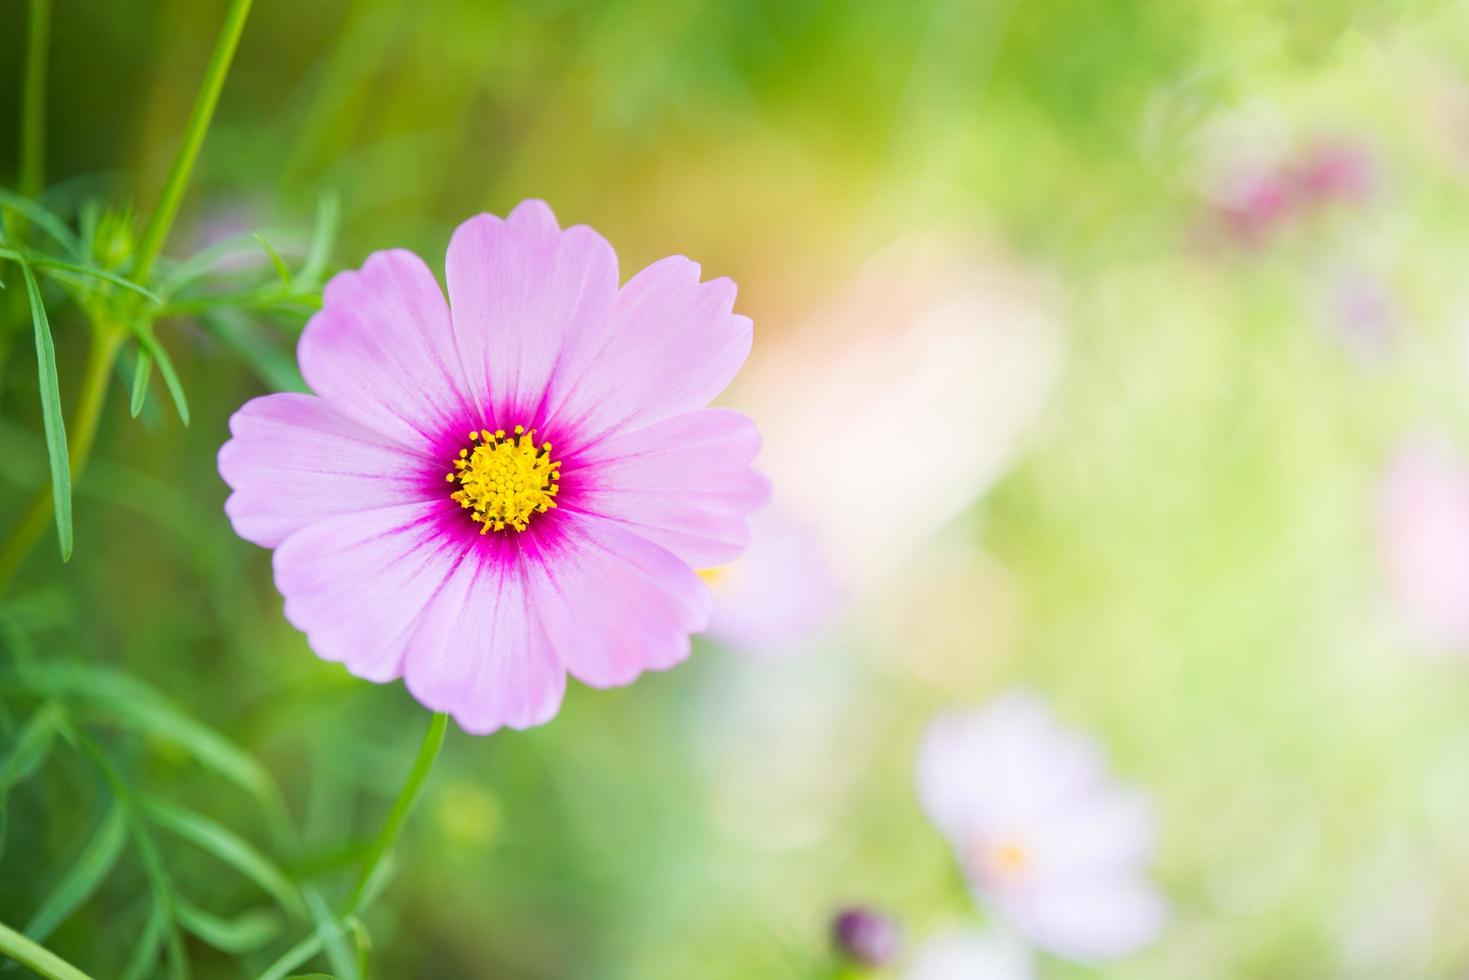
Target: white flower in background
780,594
970,955
1048,841
1423,537
912,392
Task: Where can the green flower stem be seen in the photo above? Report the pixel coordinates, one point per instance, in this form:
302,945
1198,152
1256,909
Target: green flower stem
81,435
33,101
161,221
36,958
398,816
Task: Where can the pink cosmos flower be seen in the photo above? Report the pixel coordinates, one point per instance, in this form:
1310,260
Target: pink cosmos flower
1046,839
488,493
1423,535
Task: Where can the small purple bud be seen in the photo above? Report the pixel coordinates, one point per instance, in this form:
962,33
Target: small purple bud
865,935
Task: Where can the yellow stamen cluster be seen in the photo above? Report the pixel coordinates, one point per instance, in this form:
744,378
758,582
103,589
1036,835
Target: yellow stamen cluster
503,480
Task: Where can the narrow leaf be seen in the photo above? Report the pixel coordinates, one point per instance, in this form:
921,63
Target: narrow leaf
30,748
323,237
241,934
51,419
145,955
55,265
131,702
281,269
142,369
294,957
96,273
170,376
43,219
334,936
96,861
229,848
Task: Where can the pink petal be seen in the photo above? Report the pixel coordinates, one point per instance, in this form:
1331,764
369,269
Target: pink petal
1112,831
672,345
612,602
530,304
479,652
997,771
684,483
382,351
1089,919
357,584
294,460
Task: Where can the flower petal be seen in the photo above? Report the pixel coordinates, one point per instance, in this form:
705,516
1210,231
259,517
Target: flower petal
671,346
357,584
479,653
530,303
612,602
1088,919
294,460
994,772
1112,830
684,483
382,351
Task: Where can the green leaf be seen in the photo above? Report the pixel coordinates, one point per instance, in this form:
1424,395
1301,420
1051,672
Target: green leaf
241,934
201,263
228,847
51,418
31,746
311,976
43,263
142,369
294,957
96,273
36,958
96,861
43,219
29,751
334,936
323,236
170,376
281,269
145,955
131,702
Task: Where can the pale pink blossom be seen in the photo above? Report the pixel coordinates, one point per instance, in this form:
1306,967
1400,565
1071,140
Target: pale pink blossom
1048,841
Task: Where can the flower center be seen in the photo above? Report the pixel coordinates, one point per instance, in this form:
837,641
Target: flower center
1001,862
503,480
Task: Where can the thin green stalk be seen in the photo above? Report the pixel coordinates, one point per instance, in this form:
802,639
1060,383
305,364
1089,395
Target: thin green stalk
81,436
161,221
402,806
36,958
33,101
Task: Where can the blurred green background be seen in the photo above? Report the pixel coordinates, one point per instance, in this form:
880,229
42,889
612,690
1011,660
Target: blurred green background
1171,536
